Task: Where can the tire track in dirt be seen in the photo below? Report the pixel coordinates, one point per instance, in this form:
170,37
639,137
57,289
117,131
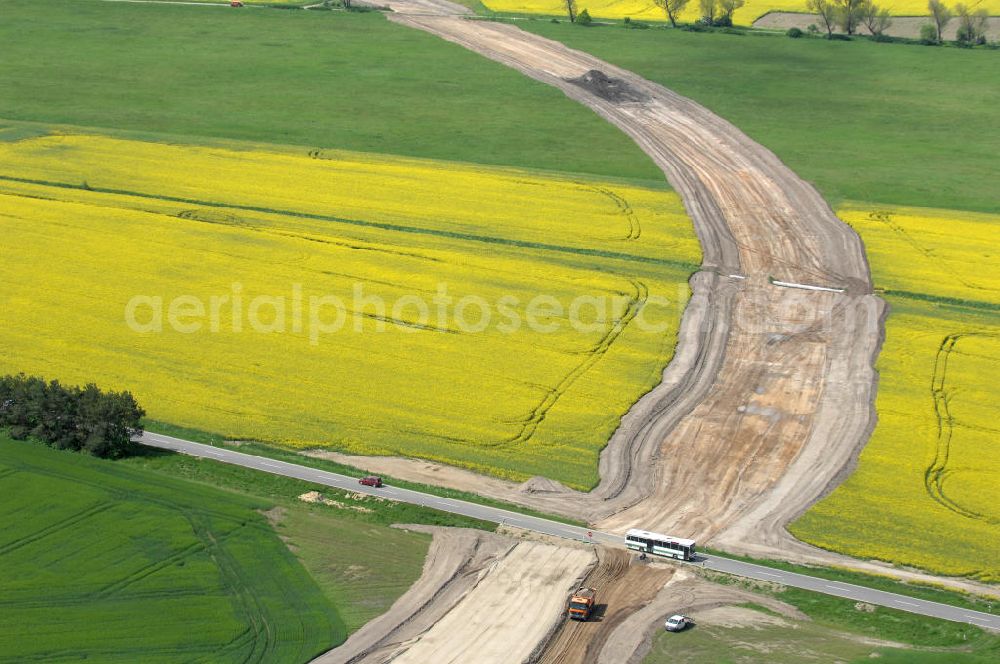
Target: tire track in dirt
622,589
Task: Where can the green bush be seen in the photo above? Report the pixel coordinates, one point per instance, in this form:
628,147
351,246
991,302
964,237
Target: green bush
794,33
584,18
928,35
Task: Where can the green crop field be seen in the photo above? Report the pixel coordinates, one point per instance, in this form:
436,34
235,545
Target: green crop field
366,566
183,558
107,563
317,79
864,121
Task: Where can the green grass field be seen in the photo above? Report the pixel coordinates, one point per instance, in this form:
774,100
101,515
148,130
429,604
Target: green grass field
276,490
829,629
103,562
318,79
933,593
366,566
863,121
293,456
779,640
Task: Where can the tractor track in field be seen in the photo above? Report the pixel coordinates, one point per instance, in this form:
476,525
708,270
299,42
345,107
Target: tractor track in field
488,240
634,227
58,526
593,356
886,217
937,471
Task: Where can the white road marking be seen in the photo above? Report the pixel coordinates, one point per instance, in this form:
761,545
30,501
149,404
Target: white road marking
792,284
570,532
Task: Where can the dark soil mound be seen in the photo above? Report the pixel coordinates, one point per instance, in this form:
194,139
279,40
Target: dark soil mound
605,87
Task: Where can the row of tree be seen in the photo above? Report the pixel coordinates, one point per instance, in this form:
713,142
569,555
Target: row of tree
74,418
713,12
971,23
848,15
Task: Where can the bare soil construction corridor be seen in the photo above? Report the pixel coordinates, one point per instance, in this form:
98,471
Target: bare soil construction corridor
769,397
480,593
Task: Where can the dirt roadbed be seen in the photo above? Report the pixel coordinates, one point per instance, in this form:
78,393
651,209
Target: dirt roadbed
503,598
768,399
489,594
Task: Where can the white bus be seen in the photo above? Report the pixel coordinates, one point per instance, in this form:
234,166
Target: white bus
660,545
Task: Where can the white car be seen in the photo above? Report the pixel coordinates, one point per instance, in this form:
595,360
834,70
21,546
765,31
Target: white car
677,623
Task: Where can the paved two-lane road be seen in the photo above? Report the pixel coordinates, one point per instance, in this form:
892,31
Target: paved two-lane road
539,525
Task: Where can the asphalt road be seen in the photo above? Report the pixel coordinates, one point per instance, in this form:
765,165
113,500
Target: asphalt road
536,524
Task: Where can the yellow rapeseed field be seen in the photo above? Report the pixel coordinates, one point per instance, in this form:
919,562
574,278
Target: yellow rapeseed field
254,249
646,10
927,489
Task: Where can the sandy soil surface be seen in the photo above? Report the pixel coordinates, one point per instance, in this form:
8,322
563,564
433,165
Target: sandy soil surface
902,26
479,592
769,397
738,616
503,599
514,606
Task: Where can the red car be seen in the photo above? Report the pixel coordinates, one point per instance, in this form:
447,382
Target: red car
371,480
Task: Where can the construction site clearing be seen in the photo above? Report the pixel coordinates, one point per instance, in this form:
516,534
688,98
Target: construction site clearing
510,596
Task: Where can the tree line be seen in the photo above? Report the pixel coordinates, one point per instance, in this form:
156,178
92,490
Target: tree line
847,15
72,418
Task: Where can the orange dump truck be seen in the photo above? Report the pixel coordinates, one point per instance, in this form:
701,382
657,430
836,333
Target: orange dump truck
581,604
